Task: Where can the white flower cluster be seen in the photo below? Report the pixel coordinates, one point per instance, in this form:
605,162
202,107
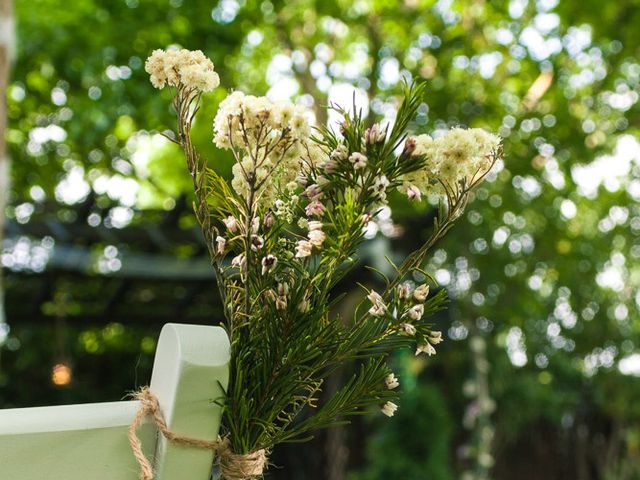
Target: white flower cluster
273,137
182,68
411,304
459,154
239,114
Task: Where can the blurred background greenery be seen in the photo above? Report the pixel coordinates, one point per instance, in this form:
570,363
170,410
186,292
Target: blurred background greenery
539,376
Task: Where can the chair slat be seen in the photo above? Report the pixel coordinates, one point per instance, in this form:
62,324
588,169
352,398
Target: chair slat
76,442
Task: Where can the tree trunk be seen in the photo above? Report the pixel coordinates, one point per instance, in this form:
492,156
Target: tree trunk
6,50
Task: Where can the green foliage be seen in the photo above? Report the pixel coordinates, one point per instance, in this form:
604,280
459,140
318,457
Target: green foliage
416,444
70,46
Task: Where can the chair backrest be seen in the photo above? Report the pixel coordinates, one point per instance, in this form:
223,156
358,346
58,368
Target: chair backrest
89,441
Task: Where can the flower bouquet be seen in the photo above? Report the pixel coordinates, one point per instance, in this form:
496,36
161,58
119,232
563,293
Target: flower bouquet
287,228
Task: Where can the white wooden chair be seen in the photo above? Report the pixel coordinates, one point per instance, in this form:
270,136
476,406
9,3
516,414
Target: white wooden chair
89,442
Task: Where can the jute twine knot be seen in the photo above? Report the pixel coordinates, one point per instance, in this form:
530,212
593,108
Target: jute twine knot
233,466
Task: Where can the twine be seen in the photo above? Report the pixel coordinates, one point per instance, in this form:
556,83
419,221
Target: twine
233,466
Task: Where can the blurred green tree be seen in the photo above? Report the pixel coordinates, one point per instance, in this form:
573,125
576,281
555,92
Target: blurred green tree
543,270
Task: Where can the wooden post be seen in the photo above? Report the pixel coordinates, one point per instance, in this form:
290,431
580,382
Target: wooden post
190,384
6,50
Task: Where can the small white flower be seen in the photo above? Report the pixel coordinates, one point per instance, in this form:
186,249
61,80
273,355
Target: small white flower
231,223
379,186
421,293
374,297
389,409
239,261
313,192
268,263
391,381
426,348
381,182
358,160
435,337
340,153
415,312
377,310
404,290
221,243
407,330
414,193
314,225
317,237
257,242
314,208
303,248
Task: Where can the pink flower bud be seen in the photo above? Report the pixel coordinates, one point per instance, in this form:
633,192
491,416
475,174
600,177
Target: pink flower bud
413,193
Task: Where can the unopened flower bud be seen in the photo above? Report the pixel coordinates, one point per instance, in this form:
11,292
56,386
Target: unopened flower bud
314,225
304,305
414,193
404,290
269,219
374,135
329,166
415,312
314,208
425,348
340,153
313,192
281,303
409,147
421,293
283,288
221,243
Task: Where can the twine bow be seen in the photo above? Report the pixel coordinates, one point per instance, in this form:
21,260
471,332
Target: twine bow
233,466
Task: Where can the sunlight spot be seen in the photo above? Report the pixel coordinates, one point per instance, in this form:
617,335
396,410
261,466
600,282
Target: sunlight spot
607,170
630,365
516,348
